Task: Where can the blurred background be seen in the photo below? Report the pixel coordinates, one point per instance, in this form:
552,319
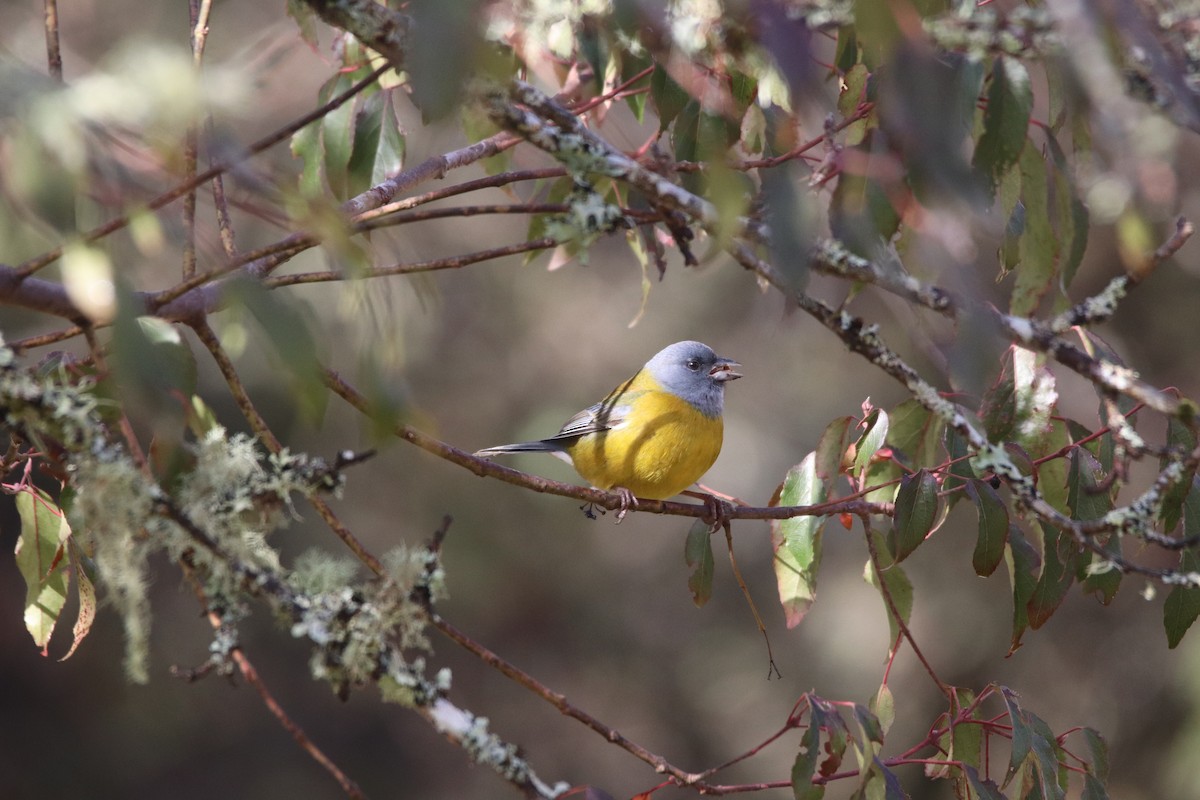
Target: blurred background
502,352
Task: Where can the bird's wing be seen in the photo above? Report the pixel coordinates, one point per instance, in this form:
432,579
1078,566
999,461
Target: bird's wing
602,416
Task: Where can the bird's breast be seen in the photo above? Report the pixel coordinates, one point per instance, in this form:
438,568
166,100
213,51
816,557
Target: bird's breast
662,447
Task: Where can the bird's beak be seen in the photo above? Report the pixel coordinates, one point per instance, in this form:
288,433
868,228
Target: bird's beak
723,371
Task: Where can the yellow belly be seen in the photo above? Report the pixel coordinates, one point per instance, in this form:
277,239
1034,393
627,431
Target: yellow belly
666,449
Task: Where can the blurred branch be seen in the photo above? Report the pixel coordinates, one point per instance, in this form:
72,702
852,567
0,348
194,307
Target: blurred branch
26,269
53,48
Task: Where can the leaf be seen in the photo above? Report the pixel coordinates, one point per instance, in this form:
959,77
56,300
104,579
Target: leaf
983,789
1084,479
875,430
993,527
698,554
152,362
964,742
916,510
337,134
1058,552
797,541
898,585
998,407
1048,756
42,563
446,48
1181,437
805,766
1182,605
306,146
1097,574
668,96
831,448
961,470
881,782
1098,750
883,705
287,330
306,21
824,716
1022,736
1005,120
87,599
1071,217
1038,245
1024,567
915,435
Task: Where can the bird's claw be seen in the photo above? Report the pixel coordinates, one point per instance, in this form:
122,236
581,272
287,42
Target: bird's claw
628,501
718,511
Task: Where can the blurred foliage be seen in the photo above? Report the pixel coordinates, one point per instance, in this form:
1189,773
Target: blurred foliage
960,193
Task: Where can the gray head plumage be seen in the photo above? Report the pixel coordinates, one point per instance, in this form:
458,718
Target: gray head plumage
694,372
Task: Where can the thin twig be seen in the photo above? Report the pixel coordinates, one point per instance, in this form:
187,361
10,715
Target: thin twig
894,610
53,49
33,265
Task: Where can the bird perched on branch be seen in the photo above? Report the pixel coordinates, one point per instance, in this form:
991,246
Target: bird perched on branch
654,435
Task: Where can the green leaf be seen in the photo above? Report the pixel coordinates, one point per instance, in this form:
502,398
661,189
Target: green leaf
1071,218
915,435
337,134
966,738
1179,436
1058,551
286,325
306,21
875,430
698,554
1022,736
961,470
306,146
631,65
998,407
1038,245
1085,496
445,48
883,705
831,448
1052,473
1098,752
805,766
1048,758
153,365
1097,574
42,562
869,724
1024,567
668,96
899,586
1093,788
1182,605
861,212
825,716
593,46
993,527
1005,120
982,789
916,511
797,541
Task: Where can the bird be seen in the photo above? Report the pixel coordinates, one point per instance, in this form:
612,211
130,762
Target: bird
654,435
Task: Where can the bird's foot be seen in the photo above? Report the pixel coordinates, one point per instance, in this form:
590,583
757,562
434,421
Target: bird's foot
718,510
628,501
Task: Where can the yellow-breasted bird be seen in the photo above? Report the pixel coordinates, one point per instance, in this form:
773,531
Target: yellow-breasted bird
654,435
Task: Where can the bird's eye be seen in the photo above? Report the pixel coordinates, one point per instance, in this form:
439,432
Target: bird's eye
693,364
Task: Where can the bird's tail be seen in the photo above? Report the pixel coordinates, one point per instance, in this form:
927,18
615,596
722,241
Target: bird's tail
520,447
